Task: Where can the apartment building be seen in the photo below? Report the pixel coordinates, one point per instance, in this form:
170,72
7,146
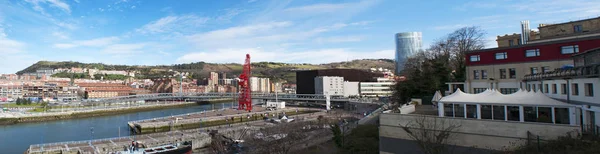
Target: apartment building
11,91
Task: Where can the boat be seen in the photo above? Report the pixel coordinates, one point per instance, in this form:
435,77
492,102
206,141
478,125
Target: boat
175,148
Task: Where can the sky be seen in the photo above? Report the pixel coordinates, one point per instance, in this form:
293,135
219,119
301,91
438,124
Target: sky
136,32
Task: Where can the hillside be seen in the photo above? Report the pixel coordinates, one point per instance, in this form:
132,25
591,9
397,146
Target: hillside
274,70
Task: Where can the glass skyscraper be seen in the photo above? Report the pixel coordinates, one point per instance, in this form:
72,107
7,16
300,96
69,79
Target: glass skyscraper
407,44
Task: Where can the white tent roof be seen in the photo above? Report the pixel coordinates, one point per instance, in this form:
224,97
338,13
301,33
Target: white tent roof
494,97
437,96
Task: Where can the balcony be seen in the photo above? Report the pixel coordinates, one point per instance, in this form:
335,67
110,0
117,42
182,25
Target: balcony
588,71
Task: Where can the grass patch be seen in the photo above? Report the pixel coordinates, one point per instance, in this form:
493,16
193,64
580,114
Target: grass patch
12,105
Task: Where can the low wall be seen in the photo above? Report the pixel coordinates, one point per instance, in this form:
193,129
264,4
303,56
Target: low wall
472,133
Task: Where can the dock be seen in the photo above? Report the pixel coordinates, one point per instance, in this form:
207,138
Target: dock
209,118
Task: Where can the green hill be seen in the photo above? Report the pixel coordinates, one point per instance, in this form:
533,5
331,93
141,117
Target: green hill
199,70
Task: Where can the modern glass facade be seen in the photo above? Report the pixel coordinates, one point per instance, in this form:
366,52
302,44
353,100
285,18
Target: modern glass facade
407,44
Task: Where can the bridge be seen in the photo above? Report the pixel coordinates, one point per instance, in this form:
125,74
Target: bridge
207,96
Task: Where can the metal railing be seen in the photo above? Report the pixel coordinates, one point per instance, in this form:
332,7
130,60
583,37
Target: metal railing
582,71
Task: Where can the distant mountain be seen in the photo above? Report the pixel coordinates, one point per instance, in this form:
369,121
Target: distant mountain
199,70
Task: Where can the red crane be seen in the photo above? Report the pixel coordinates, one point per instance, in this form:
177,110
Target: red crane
245,99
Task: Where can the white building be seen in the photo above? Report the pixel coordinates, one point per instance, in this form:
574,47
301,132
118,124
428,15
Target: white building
260,85
351,89
329,85
579,85
382,87
276,104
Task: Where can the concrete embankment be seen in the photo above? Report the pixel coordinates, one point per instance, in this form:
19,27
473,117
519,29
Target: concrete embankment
97,113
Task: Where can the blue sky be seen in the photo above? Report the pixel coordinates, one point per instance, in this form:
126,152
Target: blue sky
302,31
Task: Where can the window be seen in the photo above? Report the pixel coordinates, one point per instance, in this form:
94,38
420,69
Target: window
507,91
519,41
478,90
575,89
486,112
545,69
528,87
511,43
501,55
562,115
534,89
513,113
502,73
577,28
498,112
512,73
533,70
554,88
589,89
459,110
475,58
472,111
483,74
532,53
475,74
546,88
563,89
569,49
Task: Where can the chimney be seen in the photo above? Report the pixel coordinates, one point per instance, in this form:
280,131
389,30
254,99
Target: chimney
525,31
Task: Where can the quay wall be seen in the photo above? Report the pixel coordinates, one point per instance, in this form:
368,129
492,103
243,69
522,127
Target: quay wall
75,115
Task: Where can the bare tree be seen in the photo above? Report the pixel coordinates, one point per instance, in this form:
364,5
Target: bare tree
431,134
465,39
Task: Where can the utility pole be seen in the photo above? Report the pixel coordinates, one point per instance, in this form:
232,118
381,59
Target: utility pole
181,84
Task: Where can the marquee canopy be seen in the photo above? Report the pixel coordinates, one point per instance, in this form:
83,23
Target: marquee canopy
493,97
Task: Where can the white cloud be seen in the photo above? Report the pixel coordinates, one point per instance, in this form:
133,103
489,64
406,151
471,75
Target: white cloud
339,39
449,27
173,24
230,13
13,55
234,34
54,3
321,8
101,9
133,7
124,48
10,46
60,35
308,56
98,42
64,45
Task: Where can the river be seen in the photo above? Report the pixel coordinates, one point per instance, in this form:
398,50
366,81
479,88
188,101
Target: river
15,139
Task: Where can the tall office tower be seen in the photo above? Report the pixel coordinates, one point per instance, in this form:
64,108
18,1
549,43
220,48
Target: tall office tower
407,44
525,31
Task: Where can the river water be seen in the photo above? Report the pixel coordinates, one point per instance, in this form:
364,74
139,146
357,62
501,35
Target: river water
15,139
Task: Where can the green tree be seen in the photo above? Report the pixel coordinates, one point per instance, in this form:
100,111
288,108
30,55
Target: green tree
19,101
